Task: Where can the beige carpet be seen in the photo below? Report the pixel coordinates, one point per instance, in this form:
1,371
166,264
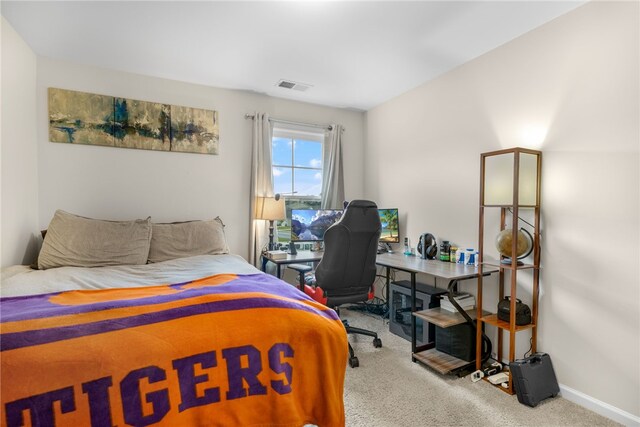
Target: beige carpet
387,389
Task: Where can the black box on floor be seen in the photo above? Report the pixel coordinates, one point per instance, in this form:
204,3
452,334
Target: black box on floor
534,379
458,341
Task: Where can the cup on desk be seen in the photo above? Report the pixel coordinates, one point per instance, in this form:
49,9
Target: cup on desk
471,257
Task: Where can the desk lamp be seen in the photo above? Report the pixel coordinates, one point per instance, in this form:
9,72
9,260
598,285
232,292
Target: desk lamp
270,209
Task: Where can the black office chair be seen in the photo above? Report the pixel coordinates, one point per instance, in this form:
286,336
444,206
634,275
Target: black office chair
348,267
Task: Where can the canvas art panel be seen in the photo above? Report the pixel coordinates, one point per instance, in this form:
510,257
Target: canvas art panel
87,118
194,130
141,124
80,117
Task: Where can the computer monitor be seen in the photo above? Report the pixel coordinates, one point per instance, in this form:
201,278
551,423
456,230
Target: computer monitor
390,229
309,225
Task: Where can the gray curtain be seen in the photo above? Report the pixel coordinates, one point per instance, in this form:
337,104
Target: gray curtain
332,178
261,183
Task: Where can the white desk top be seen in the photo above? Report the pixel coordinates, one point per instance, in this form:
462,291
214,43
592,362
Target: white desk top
433,267
437,268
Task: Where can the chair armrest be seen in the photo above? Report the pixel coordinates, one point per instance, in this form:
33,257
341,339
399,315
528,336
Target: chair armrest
300,268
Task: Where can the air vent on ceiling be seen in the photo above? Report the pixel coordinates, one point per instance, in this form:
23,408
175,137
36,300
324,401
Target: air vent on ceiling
289,84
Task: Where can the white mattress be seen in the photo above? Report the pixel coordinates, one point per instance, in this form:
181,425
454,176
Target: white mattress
21,280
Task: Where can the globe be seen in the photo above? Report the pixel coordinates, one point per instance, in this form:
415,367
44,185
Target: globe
504,241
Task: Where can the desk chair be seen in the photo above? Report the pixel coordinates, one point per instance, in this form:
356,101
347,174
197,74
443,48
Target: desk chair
348,267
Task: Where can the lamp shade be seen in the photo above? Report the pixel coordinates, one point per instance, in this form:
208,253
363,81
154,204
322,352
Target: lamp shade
511,177
270,209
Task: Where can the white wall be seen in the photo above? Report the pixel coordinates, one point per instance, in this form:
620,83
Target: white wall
19,218
114,183
575,78
571,89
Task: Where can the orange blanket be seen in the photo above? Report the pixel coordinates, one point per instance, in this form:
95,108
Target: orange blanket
225,350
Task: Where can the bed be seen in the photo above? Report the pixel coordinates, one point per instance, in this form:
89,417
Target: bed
203,340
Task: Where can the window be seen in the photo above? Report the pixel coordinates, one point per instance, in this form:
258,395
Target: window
297,158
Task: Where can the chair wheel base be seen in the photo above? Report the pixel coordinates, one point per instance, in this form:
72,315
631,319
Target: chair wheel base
353,362
377,342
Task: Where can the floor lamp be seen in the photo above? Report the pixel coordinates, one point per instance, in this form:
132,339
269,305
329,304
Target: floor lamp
271,209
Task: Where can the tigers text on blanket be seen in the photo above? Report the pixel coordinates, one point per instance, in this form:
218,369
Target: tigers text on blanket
226,350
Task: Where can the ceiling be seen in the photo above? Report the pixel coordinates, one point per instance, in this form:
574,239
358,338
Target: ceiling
353,54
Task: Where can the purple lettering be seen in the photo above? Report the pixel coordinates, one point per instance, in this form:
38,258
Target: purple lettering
276,353
132,401
236,373
97,392
188,380
41,408
243,363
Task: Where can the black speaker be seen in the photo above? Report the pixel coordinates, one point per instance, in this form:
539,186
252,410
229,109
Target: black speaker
427,246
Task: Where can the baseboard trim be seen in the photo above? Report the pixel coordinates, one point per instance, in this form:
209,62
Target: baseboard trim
599,407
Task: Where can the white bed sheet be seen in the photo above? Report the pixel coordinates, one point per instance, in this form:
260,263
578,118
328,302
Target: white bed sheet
21,280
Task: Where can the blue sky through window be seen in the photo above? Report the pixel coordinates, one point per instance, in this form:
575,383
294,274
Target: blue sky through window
297,166
281,151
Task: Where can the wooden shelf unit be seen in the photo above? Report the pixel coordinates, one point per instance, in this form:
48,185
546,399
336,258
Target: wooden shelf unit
493,320
499,387
438,360
522,197
441,362
445,318
454,273
510,267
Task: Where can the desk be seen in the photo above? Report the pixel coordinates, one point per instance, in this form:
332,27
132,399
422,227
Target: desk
300,257
439,269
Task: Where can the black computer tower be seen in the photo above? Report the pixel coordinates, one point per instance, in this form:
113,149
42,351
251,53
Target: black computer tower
400,309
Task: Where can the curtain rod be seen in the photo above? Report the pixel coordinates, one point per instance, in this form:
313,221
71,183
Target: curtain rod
290,122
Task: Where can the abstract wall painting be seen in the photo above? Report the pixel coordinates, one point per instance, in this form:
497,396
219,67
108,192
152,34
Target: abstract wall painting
141,124
194,130
80,118
86,118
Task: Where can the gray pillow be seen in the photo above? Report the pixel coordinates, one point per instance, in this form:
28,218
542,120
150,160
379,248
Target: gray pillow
185,239
72,240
